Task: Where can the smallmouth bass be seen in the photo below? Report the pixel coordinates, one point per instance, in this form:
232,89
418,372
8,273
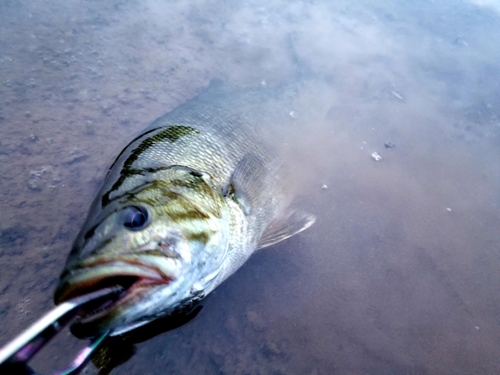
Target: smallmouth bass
182,207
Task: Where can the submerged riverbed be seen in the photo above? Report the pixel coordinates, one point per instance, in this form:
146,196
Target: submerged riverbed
399,275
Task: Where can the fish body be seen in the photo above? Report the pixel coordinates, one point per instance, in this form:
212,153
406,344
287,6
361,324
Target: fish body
182,207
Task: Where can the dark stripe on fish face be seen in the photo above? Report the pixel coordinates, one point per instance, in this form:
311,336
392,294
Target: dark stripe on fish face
179,210
172,134
193,223
202,237
182,200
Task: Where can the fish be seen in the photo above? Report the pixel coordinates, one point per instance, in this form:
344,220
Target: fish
182,207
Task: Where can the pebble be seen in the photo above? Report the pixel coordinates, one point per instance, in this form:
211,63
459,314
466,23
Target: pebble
75,156
40,178
324,187
375,156
397,95
89,127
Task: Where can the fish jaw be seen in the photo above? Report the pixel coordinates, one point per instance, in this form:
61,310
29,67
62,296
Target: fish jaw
93,273
156,283
141,276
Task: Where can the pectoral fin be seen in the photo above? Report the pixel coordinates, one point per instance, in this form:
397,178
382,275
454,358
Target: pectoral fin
286,226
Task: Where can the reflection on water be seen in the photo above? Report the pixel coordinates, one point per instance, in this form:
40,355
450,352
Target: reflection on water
400,273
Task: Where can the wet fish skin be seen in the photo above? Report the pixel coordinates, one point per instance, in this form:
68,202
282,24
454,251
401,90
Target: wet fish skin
182,207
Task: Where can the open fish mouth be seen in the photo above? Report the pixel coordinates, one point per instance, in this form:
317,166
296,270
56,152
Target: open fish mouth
136,274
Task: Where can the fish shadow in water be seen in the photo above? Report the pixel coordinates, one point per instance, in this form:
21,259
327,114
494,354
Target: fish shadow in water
119,349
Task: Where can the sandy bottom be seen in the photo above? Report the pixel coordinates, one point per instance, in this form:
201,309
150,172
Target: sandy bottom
400,273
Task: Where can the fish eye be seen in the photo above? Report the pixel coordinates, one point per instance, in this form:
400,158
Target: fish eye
135,217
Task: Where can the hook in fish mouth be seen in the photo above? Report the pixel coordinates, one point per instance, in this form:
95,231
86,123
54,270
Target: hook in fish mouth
137,274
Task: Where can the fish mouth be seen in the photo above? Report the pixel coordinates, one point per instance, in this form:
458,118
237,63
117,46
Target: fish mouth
136,274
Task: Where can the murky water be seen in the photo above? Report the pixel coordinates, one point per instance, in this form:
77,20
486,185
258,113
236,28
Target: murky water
400,273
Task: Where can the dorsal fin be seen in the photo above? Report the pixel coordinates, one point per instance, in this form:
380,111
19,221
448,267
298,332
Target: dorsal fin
286,226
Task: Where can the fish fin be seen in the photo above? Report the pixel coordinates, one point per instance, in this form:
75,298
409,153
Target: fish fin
286,226
247,182
217,84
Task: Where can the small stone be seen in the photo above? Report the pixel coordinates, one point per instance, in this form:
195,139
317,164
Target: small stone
397,95
89,127
124,120
324,187
32,185
292,114
255,321
375,156
448,209
75,156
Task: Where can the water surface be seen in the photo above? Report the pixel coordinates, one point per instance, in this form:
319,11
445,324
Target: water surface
400,273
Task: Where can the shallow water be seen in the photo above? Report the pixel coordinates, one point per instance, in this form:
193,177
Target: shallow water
400,273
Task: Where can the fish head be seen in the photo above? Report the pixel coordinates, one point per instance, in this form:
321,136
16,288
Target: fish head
163,238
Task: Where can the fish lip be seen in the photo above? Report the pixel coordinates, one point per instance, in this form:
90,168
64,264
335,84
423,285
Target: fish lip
136,273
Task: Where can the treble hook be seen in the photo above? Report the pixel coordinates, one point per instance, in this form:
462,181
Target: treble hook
15,354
